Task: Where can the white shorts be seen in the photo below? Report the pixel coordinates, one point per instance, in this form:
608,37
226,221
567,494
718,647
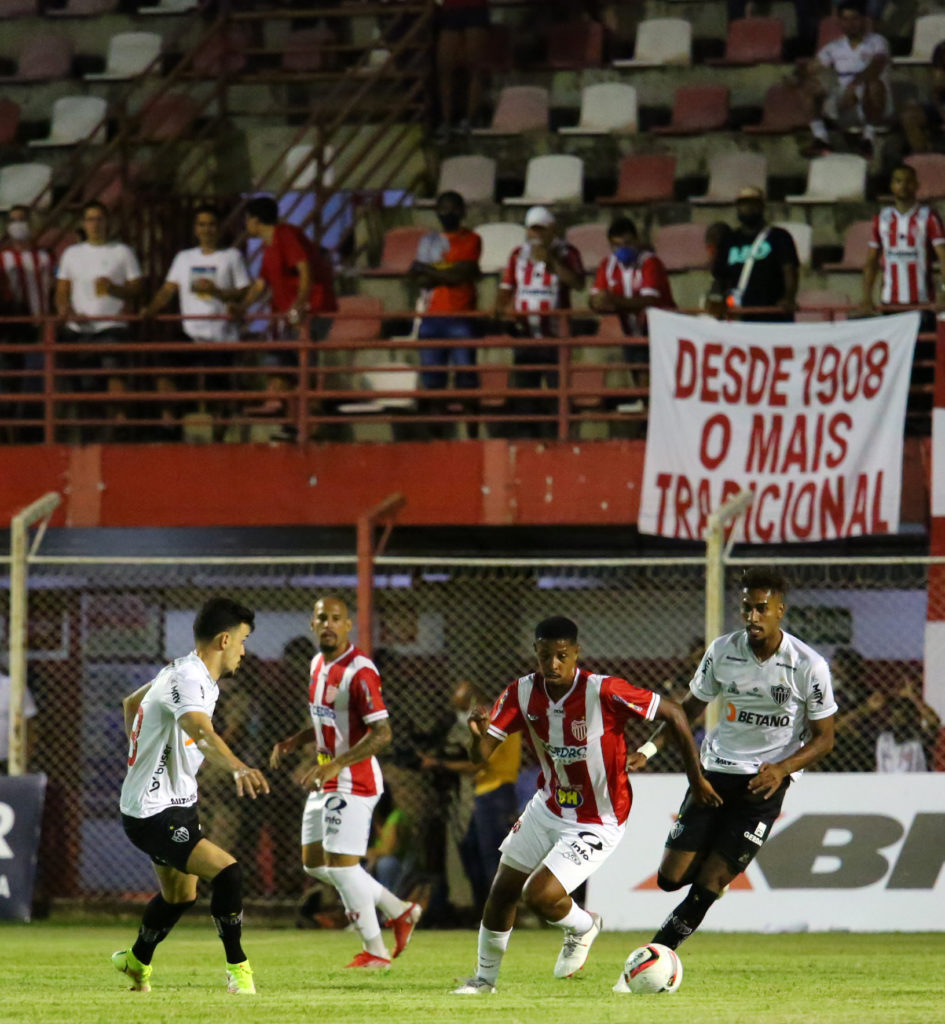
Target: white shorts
571,850
341,822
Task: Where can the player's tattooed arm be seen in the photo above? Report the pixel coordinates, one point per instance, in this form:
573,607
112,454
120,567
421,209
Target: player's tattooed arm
374,741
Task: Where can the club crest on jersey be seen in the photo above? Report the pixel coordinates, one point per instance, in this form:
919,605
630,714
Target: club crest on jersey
780,694
579,730
568,797
180,835
677,830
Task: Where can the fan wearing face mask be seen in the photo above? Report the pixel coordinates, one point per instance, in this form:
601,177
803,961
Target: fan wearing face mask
756,264
628,281
447,269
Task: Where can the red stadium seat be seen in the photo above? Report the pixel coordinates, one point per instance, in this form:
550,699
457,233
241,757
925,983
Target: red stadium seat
366,327
46,56
681,246
855,247
519,108
815,305
9,121
590,240
930,169
697,109
753,41
643,178
573,45
787,108
400,250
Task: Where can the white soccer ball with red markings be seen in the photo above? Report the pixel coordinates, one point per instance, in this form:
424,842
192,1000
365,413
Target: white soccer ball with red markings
653,968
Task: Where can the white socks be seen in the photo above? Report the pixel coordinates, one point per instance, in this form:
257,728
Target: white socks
575,920
492,947
356,889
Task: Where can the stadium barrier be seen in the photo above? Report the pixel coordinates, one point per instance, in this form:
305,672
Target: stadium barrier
100,627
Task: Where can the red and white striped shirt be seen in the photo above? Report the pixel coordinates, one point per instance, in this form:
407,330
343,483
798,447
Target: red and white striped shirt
579,741
536,289
647,277
907,243
344,698
28,274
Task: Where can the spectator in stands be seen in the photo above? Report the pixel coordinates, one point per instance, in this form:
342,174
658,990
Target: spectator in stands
206,280
98,279
495,805
906,744
907,238
462,36
849,82
26,273
538,279
858,719
924,123
628,281
756,264
447,268
297,277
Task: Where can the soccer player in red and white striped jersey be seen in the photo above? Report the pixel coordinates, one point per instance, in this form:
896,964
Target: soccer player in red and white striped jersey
574,721
27,269
349,727
907,238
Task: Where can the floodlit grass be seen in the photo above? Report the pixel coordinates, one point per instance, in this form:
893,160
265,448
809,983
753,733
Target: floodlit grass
52,973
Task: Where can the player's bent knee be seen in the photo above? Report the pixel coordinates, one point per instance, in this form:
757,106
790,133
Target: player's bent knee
668,883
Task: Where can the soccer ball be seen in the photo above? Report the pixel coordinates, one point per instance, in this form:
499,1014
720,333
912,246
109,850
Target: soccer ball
651,968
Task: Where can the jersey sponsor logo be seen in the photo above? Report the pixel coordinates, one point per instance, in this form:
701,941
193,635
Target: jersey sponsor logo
721,760
817,694
331,819
751,837
579,730
780,694
591,839
179,800
731,657
557,712
707,664
785,665
336,803
175,694
568,797
320,711
564,754
733,714
180,835
159,771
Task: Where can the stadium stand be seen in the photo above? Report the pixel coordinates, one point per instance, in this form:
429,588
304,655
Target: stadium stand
605,107
832,178
643,178
75,119
520,108
729,172
697,109
660,41
753,41
129,54
556,178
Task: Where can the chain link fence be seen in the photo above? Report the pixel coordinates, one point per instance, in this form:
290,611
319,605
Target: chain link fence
97,631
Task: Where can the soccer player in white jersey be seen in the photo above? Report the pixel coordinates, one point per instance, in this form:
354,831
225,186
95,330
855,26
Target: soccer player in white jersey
907,239
574,721
350,727
849,82
170,732
776,718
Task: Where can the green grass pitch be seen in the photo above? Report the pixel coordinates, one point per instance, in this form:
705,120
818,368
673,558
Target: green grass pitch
55,973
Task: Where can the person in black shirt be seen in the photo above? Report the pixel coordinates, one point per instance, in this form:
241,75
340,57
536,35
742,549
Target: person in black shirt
771,277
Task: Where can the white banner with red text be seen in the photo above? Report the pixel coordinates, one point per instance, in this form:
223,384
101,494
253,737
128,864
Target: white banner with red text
809,417
849,852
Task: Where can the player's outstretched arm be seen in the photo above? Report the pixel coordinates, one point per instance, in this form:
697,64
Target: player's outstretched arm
677,716
290,745
197,725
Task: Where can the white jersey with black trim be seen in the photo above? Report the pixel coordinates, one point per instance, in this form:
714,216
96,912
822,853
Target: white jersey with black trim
162,759
766,706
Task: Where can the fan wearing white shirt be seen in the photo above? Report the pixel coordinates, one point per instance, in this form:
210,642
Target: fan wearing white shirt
849,82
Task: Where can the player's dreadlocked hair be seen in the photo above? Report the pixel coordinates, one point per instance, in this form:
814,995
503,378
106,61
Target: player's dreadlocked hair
763,578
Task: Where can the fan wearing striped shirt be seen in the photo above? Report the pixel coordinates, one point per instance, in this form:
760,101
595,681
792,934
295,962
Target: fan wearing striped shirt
907,239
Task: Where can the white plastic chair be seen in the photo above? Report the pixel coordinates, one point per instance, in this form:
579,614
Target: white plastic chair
557,178
24,184
75,119
729,172
803,235
929,31
660,41
395,377
606,107
129,54
302,156
499,238
832,178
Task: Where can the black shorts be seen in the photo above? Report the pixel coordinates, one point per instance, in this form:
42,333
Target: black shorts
167,837
737,830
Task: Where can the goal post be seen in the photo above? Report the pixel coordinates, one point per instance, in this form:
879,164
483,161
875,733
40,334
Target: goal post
716,555
20,552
